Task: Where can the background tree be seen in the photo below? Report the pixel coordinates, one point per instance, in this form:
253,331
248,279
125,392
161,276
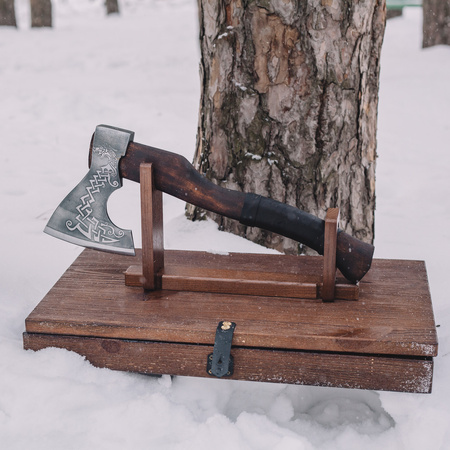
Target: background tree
391,13
7,13
436,22
41,13
289,106
112,7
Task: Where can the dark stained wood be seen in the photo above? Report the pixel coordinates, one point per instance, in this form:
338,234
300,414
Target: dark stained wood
353,257
152,230
176,176
393,316
279,366
329,254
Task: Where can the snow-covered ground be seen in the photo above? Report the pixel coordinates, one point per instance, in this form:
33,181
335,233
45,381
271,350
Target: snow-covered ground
140,71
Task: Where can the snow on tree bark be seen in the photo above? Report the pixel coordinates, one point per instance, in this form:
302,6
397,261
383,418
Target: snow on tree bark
289,106
436,22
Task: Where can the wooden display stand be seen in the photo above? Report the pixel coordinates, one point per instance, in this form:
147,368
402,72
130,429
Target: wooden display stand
283,331
154,274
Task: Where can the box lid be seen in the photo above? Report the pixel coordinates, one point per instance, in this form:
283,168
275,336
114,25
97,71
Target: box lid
393,315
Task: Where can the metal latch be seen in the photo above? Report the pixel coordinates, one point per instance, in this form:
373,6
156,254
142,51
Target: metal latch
220,363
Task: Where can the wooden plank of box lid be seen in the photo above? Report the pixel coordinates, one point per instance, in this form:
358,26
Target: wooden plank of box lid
384,341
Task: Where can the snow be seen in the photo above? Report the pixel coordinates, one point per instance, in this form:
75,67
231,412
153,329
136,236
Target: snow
140,71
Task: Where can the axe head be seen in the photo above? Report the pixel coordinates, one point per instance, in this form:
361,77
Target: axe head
82,217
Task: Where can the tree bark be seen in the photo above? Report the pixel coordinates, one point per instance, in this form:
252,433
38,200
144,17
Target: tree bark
436,22
41,13
391,13
112,7
289,106
7,13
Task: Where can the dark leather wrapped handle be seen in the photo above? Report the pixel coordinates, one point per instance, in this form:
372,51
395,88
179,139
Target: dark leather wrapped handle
353,257
176,176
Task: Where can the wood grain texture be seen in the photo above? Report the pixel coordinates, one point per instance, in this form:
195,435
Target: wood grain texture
279,366
244,282
329,254
152,230
393,317
176,176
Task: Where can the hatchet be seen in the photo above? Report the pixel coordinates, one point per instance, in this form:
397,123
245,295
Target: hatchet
82,217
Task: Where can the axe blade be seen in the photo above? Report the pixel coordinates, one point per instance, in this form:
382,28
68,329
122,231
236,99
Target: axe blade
82,217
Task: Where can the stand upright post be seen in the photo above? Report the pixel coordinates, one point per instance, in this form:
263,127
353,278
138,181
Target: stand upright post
152,230
329,254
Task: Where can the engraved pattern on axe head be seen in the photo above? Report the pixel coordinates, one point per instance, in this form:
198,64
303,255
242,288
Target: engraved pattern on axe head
82,217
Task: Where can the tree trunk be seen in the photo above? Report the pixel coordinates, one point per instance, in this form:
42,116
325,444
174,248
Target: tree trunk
436,22
289,106
41,13
112,7
7,13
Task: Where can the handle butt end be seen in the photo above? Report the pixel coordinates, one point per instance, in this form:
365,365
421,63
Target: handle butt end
353,257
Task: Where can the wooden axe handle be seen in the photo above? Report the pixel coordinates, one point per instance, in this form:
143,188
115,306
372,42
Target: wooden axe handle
176,176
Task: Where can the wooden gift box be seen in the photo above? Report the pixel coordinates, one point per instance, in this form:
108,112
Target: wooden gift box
386,340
